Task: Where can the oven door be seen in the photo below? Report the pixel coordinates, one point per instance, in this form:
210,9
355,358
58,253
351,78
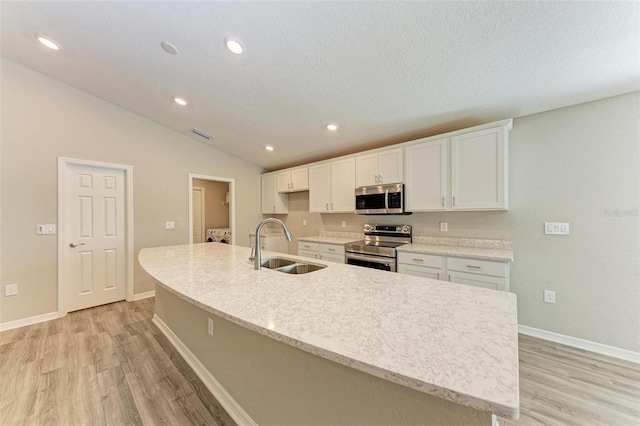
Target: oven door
375,262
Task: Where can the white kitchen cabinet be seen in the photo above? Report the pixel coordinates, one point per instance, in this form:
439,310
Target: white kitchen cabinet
380,167
322,251
421,265
468,171
479,273
479,170
272,201
332,187
277,243
293,180
427,176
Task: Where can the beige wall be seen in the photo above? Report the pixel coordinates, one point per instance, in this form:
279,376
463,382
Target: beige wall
43,119
216,214
579,165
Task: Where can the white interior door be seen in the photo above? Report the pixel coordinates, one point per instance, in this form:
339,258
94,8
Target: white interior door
95,236
198,214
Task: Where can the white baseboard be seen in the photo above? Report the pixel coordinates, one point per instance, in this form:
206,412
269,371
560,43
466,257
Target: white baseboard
28,321
575,342
217,390
144,295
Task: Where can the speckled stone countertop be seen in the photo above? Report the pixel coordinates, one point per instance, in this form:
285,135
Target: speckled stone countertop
494,250
454,341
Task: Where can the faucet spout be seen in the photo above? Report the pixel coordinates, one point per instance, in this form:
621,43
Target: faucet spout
258,253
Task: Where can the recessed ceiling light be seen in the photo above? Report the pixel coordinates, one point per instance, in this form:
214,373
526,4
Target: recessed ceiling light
268,148
234,46
332,127
180,101
49,43
169,48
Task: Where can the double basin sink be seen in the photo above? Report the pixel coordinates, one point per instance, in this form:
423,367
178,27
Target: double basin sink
290,266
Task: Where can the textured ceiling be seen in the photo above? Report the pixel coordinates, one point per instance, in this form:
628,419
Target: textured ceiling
386,72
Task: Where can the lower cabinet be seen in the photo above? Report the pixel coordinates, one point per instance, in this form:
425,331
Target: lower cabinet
479,273
322,251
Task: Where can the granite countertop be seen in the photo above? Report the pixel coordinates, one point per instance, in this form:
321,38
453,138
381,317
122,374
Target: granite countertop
453,341
328,240
482,249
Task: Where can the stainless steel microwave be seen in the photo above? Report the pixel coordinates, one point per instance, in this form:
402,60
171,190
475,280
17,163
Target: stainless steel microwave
380,199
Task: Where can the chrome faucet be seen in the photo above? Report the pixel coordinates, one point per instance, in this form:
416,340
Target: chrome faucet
257,258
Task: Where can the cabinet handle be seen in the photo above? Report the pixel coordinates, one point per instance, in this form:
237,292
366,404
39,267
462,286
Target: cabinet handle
291,185
327,206
375,178
274,209
442,201
331,249
418,260
454,201
380,178
449,277
473,267
331,206
437,275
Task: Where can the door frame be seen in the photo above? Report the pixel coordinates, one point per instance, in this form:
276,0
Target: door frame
63,192
232,203
202,213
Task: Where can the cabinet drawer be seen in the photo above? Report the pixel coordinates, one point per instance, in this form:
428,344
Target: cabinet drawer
472,266
308,253
304,245
331,248
420,259
329,257
477,280
420,271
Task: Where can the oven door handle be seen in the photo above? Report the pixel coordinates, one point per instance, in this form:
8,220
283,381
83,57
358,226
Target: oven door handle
389,261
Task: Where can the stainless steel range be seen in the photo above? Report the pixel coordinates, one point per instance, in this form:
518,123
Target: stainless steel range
378,249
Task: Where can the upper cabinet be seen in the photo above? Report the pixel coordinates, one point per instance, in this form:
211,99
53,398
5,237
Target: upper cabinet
272,201
380,167
293,180
479,170
467,171
332,187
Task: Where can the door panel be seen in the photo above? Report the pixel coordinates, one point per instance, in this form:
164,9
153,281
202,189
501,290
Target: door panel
95,224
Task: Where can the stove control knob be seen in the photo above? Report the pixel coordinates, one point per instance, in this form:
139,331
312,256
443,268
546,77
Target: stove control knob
367,227
405,229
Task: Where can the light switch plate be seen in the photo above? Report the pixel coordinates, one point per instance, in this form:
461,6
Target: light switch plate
41,229
169,225
556,228
11,289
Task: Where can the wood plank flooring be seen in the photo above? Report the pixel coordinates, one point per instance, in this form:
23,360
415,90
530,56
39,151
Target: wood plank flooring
109,365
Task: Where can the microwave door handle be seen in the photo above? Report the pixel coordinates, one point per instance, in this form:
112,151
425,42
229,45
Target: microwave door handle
386,200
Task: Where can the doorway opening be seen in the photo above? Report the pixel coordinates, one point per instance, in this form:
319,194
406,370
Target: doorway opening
211,209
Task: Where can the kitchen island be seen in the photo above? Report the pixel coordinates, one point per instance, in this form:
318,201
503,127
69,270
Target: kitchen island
341,345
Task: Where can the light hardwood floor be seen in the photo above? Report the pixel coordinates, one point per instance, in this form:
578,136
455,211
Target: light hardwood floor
110,366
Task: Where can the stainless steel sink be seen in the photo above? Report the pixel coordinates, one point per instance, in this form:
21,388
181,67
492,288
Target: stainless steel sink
276,262
290,266
301,268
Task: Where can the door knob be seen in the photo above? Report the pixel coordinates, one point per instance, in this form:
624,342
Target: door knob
72,245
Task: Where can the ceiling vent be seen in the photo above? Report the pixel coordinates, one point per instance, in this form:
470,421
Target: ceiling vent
203,134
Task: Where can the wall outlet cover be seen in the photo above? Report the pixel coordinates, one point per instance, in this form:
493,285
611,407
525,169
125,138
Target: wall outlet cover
11,289
444,226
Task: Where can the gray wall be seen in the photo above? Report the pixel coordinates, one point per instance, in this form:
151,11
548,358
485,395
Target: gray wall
580,165
43,119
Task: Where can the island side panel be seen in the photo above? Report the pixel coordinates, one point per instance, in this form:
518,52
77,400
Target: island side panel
277,384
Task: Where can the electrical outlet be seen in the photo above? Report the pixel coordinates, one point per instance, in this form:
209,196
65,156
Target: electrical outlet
304,222
11,289
51,228
169,225
344,223
556,228
210,326
549,296
444,226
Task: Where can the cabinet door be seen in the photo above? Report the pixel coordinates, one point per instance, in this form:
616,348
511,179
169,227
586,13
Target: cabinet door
283,182
483,281
268,194
390,166
420,271
343,186
300,179
367,170
337,258
319,188
426,182
479,170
